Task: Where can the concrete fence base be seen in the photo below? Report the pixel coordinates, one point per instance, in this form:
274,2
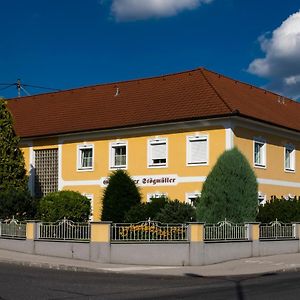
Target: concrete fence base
193,252
165,254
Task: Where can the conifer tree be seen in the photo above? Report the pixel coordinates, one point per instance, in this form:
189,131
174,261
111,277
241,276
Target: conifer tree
12,166
230,191
120,195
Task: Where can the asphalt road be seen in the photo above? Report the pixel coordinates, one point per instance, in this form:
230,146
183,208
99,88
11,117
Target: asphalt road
17,282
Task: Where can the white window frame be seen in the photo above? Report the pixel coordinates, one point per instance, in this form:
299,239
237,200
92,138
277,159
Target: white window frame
91,198
156,195
112,146
263,197
191,195
154,141
81,147
190,139
291,147
262,142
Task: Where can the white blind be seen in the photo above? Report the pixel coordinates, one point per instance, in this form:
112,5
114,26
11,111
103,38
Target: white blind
198,151
159,150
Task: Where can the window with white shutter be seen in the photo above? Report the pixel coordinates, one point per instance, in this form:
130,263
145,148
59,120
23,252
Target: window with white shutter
197,150
157,153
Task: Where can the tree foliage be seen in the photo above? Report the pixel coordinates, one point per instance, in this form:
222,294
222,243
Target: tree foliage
17,203
284,210
176,212
119,196
144,211
64,204
12,166
230,190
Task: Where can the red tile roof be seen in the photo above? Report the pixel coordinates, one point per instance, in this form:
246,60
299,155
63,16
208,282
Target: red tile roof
189,95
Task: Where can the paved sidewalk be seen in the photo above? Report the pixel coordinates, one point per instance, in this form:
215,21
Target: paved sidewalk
247,266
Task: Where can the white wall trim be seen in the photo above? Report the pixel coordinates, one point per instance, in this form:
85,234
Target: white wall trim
275,182
229,135
31,169
60,179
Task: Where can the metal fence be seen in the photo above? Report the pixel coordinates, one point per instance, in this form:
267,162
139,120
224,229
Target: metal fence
13,229
226,230
148,231
64,230
277,230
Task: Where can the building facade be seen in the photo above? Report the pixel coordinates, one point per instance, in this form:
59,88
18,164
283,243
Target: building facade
167,132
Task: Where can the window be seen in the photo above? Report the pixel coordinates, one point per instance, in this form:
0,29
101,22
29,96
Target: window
155,196
262,199
259,153
157,153
85,157
197,150
45,172
289,158
118,155
191,198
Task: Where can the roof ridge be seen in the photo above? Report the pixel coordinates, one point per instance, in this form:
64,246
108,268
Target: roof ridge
215,90
251,85
107,84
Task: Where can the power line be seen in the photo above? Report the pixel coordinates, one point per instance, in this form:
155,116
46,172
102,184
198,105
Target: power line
20,87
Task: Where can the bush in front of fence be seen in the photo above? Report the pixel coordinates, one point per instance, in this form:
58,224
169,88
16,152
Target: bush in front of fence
284,210
64,204
119,196
176,212
163,210
144,211
18,203
230,190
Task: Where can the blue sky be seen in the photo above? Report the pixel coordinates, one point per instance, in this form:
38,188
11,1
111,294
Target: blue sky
66,44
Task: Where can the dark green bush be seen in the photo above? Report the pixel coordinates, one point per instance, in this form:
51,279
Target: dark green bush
120,195
230,191
176,212
284,210
17,203
144,211
69,204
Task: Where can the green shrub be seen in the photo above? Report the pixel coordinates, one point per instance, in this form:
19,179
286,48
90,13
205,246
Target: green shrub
120,195
230,190
284,210
17,203
144,211
176,212
64,204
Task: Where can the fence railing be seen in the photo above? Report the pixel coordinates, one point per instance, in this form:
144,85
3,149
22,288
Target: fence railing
64,230
226,230
277,230
13,229
148,231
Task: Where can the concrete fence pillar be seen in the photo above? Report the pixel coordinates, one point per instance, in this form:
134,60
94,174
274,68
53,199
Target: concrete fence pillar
100,241
196,239
31,235
253,233
296,226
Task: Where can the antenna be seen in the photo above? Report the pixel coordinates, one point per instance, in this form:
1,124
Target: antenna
21,87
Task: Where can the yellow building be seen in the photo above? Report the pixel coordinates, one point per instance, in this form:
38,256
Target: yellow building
167,132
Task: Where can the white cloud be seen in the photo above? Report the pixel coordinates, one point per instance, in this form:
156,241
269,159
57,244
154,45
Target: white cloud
125,10
281,63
